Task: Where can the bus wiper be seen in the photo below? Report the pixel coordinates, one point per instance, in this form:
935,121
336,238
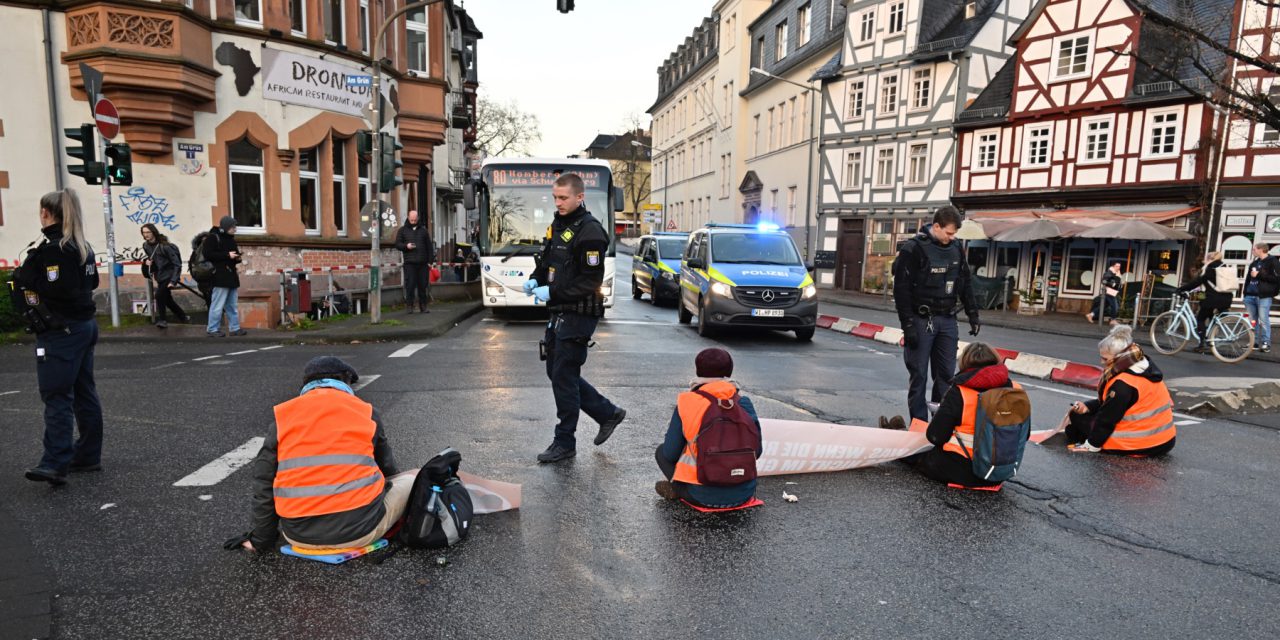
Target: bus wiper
520,251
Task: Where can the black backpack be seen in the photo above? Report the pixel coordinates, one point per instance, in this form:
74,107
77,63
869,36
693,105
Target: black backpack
440,510
199,266
727,442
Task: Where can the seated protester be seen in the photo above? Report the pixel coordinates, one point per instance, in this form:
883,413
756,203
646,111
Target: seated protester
1133,413
326,477
677,456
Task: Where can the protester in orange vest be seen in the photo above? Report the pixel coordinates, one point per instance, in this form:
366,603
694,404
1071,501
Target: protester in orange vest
326,477
677,457
1134,411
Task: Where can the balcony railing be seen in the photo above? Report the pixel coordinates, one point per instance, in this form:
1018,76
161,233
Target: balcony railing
1169,86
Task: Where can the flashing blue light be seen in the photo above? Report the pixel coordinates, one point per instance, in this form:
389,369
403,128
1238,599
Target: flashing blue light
767,226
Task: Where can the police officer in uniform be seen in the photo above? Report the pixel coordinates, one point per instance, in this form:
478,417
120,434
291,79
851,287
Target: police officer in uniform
930,277
568,279
54,289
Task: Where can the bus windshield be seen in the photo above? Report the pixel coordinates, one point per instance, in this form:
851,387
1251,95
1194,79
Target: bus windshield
520,206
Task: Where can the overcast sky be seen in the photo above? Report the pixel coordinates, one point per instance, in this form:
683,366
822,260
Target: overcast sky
612,49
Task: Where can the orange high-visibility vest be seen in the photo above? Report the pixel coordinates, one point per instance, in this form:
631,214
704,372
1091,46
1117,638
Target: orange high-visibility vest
692,407
1149,422
325,460
968,422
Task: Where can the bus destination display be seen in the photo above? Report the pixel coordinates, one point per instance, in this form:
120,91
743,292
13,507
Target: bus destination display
592,178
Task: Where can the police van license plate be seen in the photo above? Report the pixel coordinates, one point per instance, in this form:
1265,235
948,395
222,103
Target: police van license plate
767,313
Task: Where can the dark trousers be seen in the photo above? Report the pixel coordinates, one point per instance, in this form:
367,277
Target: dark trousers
668,469
947,467
1206,313
936,350
417,283
1108,305
65,375
566,339
1080,425
164,301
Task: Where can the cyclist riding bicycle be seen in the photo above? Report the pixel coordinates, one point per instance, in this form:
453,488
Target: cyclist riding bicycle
1214,301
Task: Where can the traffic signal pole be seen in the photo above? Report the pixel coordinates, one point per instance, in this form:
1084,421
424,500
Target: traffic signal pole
114,291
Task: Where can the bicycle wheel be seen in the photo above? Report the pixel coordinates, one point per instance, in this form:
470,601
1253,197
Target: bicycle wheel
1232,338
1165,333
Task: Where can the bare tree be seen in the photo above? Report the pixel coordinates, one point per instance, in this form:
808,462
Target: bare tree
502,128
632,171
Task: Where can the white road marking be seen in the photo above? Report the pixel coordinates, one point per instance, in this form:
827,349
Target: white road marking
240,353
1183,423
274,346
219,469
171,364
642,322
1185,418
408,350
365,380
9,393
204,358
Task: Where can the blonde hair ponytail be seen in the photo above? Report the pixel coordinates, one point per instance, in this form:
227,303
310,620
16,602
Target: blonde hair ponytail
65,207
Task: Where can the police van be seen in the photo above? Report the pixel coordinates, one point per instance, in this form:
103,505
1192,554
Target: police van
746,276
655,270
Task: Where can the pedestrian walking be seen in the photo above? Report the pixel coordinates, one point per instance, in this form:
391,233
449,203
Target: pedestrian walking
220,248
414,242
1133,413
1218,288
1107,304
164,266
56,283
568,279
1261,283
931,278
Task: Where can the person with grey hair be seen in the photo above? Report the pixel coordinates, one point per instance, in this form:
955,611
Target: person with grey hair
1214,301
1261,283
1133,413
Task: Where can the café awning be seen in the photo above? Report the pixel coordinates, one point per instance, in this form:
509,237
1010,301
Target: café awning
999,225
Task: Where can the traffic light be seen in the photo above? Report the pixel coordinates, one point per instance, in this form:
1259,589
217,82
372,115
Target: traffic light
387,179
364,143
120,165
564,6
87,152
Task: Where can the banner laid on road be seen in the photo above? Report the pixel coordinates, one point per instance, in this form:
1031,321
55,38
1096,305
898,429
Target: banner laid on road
490,496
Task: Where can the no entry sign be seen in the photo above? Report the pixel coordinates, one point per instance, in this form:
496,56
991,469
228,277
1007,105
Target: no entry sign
107,118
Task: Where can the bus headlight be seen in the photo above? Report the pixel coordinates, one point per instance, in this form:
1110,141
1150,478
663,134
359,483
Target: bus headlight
721,289
492,288
809,292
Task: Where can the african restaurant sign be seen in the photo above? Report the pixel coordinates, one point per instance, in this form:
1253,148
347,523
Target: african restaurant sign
311,82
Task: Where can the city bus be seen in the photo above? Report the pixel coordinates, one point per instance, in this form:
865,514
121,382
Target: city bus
514,202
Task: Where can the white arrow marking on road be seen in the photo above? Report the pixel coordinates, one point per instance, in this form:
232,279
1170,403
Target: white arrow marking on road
219,469
407,351
365,380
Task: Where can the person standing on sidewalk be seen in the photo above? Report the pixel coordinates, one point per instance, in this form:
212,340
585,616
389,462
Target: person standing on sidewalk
164,266
1107,305
221,249
56,282
568,279
930,278
414,241
1261,283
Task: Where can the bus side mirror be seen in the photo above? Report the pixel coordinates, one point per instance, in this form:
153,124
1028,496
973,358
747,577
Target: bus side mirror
618,202
469,195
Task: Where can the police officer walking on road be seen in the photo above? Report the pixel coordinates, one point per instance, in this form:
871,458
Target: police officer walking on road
930,277
568,279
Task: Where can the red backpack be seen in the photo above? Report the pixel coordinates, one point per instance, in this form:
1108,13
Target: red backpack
727,442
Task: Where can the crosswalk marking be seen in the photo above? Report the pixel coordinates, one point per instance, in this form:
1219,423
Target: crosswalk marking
364,381
219,469
408,350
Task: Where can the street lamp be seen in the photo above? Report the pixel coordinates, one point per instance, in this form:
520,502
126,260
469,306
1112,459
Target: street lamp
665,162
814,97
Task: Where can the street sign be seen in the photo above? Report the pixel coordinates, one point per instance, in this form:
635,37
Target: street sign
369,220
357,80
388,113
107,118
92,82
671,225
651,207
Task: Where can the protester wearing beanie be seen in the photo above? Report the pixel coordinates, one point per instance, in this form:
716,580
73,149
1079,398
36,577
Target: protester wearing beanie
713,367
220,249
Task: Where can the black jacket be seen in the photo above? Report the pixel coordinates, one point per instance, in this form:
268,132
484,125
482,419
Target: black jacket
572,262
1207,279
166,261
63,282
1108,411
912,265
1267,283
423,252
1111,281
957,467
217,249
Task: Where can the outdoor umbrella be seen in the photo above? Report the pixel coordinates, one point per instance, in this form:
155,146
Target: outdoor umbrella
1039,230
971,230
1135,229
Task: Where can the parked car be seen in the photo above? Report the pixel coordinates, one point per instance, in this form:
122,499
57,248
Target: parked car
656,267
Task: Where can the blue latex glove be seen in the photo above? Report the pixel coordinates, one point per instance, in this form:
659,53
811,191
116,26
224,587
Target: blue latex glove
529,286
543,294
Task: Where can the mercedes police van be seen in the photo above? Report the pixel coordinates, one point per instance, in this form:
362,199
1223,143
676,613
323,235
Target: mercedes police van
655,270
746,276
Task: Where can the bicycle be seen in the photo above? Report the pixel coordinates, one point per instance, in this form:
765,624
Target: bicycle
1230,333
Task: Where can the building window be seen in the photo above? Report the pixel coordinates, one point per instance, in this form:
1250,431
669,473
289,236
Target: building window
771,146
247,189
334,21
853,170
1080,263
970,10
1071,56
889,94
363,16
867,27
921,88
298,17
803,26
1097,140
773,204
1268,134
364,185
884,168
309,191
1163,134
1038,139
755,135
791,205
857,98
759,54
339,186
780,44
988,150
897,18
249,12
416,39
918,166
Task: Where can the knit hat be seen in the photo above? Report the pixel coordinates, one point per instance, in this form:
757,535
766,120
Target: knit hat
713,363
329,367
227,223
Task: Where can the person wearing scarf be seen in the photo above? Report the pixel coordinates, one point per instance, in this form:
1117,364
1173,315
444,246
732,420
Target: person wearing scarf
1133,413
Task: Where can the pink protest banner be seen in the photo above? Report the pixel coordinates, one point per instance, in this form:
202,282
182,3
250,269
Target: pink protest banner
490,496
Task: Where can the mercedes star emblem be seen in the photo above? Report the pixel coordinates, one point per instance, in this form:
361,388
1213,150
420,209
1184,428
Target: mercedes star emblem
767,297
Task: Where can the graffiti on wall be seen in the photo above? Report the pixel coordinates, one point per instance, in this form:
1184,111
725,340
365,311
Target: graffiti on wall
130,254
141,207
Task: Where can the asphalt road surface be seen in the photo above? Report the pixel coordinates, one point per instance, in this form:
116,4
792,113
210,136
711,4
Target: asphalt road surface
1081,546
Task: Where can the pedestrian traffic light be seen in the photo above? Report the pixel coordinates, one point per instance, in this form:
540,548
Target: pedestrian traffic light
387,179
564,6
87,152
120,163
364,143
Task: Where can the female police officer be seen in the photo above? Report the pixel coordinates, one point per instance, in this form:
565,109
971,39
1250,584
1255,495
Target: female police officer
58,278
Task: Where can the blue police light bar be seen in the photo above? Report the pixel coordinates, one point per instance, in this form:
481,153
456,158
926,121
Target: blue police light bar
729,225
680,234
767,226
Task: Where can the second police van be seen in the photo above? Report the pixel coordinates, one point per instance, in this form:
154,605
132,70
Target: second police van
656,267
746,276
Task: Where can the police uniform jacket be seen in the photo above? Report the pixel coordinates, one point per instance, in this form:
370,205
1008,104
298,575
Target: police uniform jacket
572,263
217,249
59,278
932,275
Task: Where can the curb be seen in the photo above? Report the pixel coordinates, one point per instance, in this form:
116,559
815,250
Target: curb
1031,365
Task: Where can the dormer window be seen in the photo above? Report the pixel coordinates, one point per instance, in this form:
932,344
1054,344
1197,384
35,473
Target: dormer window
970,10
1071,56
